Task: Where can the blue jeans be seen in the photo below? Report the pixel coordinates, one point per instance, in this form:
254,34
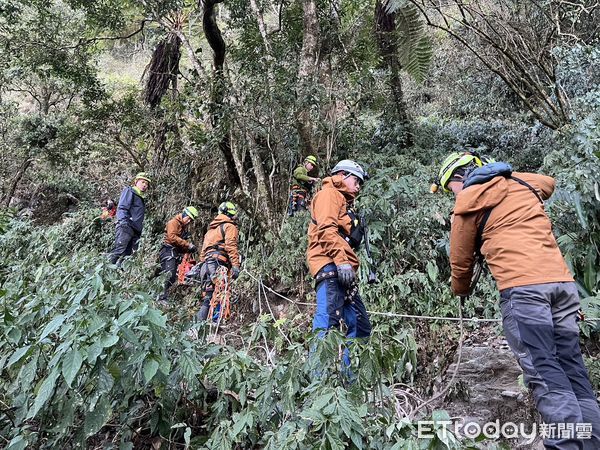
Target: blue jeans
333,310
539,322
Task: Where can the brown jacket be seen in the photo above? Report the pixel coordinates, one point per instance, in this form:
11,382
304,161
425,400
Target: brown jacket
518,243
225,250
173,232
329,211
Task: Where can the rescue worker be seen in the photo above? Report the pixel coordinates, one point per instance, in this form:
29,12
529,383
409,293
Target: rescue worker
219,248
130,218
302,185
174,246
334,235
504,212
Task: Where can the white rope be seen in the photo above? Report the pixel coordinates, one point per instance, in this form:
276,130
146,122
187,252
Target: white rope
378,313
390,314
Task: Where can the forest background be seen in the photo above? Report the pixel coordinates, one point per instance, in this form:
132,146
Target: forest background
220,100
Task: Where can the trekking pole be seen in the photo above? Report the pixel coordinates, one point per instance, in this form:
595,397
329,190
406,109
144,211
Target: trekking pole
372,274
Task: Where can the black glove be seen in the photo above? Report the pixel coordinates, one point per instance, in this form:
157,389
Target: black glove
346,274
235,272
192,248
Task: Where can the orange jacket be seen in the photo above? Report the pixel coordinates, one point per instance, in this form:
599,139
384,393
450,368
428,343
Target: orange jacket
227,247
329,210
518,243
173,232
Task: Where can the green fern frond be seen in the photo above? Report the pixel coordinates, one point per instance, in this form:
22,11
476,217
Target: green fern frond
414,46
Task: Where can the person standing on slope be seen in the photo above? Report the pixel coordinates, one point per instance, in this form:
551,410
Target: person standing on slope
334,235
130,218
502,213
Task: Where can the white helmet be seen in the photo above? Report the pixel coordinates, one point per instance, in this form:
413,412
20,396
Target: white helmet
349,166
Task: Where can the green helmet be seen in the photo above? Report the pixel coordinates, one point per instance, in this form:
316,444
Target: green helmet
311,159
191,212
228,208
455,161
142,176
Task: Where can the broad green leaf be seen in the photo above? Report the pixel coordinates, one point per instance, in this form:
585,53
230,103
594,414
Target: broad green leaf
164,365
440,415
28,372
95,419
126,317
14,335
44,393
190,367
154,316
17,355
93,352
104,380
432,271
52,326
67,414
239,423
71,364
17,443
109,341
322,401
150,369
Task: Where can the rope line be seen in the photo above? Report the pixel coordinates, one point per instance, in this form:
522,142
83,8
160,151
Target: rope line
391,314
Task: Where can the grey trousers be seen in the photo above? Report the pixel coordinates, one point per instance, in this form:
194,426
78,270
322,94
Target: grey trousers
540,325
126,243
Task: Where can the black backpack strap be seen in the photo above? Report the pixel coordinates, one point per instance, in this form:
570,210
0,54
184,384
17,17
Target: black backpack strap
222,228
528,186
480,228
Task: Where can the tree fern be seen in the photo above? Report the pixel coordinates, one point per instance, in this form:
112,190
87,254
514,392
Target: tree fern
414,47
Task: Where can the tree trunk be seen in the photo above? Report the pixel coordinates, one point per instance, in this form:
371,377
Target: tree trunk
15,181
217,44
307,75
385,31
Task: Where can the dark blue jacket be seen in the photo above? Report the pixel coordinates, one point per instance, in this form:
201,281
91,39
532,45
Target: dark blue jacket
484,174
131,209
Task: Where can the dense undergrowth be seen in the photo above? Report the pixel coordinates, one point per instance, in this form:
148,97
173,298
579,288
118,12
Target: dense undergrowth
87,358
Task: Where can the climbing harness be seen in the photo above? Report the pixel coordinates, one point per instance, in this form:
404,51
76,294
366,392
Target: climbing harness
220,303
217,251
298,199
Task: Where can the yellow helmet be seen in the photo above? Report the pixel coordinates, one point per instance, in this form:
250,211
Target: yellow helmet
228,208
455,161
191,212
311,159
142,176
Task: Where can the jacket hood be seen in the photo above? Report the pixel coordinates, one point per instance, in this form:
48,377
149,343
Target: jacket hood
337,182
481,196
221,218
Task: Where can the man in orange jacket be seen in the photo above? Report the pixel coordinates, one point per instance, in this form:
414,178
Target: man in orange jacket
334,235
219,249
502,212
175,245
